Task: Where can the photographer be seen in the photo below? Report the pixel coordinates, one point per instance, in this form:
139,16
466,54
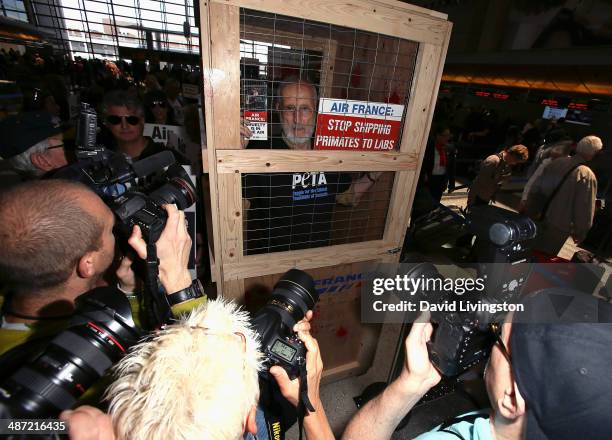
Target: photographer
57,242
544,381
32,145
212,392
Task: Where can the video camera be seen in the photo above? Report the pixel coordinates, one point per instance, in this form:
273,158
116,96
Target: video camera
134,191
46,377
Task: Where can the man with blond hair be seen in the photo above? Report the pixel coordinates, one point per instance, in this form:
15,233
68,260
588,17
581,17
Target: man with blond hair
198,379
572,188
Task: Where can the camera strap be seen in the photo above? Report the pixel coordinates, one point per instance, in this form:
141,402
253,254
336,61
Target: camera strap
160,309
304,403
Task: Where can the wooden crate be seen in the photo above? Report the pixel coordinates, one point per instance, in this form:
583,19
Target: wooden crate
421,37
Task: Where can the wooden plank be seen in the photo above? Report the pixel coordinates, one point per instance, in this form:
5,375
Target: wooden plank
273,161
230,217
278,262
400,233
208,154
414,139
401,7
233,290
222,79
361,14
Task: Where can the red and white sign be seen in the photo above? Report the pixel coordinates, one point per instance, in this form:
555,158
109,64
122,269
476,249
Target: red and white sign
357,125
257,122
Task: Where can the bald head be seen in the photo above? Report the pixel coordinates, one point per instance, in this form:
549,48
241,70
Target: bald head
47,226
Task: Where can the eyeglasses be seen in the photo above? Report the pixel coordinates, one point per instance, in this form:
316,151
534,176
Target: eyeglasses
497,330
302,111
116,120
161,104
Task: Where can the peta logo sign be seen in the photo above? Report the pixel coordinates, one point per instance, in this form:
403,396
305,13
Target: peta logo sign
308,180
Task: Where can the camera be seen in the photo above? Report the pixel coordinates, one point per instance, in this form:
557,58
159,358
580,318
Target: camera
134,191
51,378
462,339
293,295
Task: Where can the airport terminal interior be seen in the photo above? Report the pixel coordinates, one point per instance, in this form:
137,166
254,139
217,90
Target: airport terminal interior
338,138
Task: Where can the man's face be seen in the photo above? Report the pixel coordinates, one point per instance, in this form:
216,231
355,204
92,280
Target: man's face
125,124
297,112
55,154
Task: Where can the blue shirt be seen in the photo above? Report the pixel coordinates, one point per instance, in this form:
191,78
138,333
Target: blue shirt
479,429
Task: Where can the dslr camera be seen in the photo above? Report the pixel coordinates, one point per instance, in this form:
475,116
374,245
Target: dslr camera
463,339
293,295
44,377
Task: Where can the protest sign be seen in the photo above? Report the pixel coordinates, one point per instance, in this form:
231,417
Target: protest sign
344,124
255,106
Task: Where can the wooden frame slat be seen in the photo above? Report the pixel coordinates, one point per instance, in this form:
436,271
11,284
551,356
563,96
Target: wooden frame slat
259,265
273,161
410,24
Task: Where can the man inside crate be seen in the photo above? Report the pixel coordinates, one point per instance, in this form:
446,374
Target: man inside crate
289,211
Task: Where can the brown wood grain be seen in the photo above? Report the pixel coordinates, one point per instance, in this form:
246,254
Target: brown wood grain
274,161
380,17
265,264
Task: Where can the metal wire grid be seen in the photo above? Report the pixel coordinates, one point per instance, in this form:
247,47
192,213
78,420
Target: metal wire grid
342,63
99,28
276,223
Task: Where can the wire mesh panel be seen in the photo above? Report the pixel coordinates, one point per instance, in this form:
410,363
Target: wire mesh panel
313,86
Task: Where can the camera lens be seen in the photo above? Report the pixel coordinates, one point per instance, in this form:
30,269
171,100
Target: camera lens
178,190
295,293
76,358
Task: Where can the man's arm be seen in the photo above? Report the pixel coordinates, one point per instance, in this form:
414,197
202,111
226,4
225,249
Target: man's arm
379,417
584,205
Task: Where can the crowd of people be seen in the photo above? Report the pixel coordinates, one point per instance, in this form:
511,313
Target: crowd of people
561,189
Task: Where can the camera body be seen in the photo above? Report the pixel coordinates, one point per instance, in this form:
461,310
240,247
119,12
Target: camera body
463,339
43,382
293,295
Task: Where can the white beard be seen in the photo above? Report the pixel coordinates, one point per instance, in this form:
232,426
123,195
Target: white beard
289,133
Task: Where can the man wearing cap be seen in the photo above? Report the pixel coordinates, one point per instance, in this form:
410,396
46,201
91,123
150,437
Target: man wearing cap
548,377
31,146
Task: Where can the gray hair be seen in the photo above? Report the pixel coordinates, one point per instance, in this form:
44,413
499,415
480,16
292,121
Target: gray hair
589,146
119,98
294,79
23,162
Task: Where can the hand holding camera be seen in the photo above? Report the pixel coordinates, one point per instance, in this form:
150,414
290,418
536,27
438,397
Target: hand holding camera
419,374
173,247
290,389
